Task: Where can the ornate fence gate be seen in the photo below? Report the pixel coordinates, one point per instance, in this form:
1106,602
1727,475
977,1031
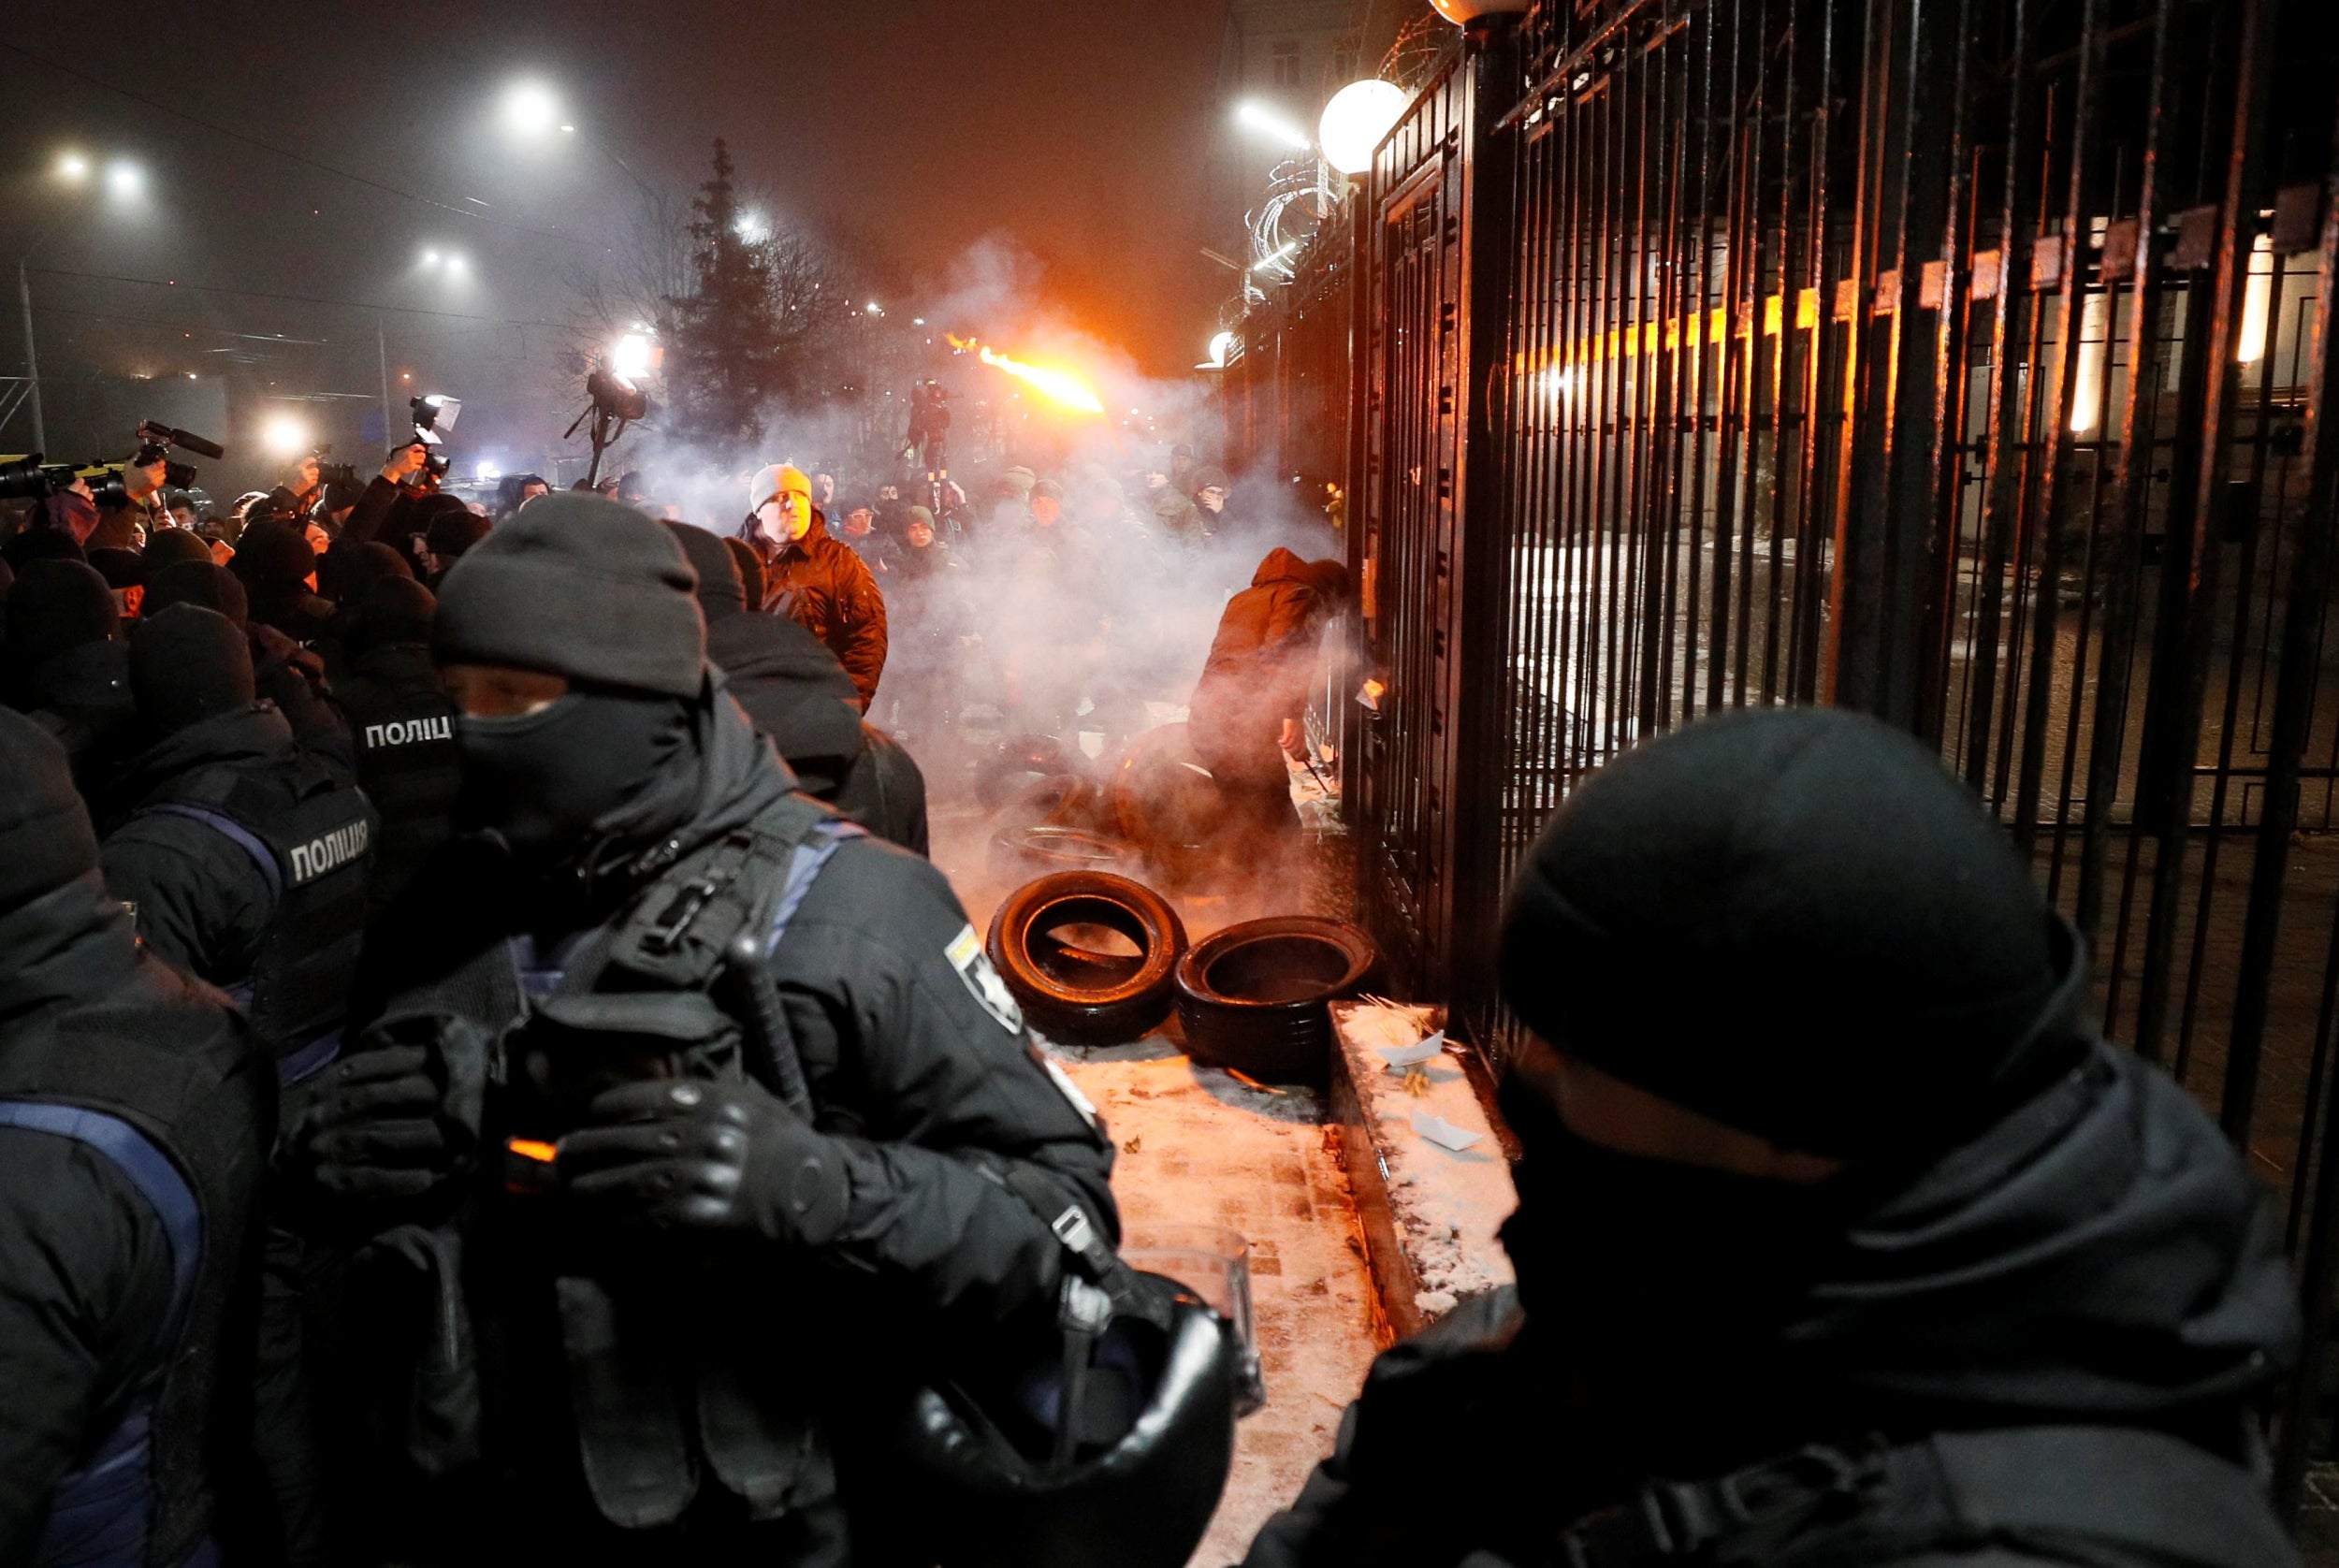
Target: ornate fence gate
1964,361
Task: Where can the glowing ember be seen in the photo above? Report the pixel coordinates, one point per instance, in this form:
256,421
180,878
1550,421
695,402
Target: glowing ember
1062,386
532,1148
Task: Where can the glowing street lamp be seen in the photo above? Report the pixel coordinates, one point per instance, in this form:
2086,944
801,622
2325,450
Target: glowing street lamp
752,226
124,180
285,436
72,167
530,109
1265,121
1354,122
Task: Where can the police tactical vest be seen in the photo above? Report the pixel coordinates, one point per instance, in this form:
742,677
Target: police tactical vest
311,837
170,1095
672,1389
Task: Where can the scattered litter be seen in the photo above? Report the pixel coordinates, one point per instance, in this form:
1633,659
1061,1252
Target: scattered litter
1418,1082
1132,1145
1399,1056
1442,1133
1241,1076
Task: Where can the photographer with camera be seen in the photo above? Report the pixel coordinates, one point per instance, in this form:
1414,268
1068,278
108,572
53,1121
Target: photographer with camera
772,1141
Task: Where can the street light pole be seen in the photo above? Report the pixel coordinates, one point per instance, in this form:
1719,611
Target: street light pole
32,362
381,345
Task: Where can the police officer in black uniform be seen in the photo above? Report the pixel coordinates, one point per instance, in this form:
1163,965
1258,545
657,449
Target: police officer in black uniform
135,1118
1863,1248
695,1124
246,857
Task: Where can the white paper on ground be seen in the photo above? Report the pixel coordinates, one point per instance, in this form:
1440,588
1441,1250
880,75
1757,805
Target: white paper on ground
1400,1057
1442,1133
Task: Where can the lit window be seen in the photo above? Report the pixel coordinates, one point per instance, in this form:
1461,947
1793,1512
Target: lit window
1285,54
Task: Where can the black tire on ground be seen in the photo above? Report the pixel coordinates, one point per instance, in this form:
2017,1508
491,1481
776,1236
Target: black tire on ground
1252,995
1075,994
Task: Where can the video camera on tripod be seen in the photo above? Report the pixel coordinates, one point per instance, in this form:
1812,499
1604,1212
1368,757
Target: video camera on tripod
614,385
31,476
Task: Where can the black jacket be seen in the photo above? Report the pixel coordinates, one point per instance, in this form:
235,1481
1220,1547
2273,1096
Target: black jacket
85,1267
2100,1260
824,586
933,1087
203,904
796,694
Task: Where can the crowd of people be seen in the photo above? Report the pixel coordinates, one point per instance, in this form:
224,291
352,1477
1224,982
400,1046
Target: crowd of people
486,1071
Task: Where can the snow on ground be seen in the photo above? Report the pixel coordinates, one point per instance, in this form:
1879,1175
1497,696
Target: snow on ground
1197,1147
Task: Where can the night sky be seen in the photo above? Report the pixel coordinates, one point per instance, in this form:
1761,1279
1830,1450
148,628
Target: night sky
912,129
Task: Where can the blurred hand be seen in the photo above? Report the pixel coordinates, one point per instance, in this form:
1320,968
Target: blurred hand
405,464
1294,739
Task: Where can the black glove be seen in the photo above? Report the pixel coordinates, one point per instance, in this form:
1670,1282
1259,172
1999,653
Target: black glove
710,1156
374,1126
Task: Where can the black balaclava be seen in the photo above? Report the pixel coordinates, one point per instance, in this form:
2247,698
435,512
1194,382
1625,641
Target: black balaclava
598,765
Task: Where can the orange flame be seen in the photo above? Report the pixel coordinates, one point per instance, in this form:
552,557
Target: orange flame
532,1148
1062,386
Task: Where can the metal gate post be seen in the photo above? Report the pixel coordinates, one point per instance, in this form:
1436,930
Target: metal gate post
1481,623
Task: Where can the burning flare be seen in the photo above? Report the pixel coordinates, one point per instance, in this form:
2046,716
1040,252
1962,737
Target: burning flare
1062,386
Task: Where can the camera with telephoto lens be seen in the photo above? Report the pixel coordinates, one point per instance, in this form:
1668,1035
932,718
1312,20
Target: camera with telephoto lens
155,439
31,478
334,474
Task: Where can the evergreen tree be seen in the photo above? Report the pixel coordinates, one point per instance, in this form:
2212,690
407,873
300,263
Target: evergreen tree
725,360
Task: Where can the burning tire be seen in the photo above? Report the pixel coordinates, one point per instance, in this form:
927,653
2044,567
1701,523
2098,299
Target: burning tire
1018,761
1077,993
1253,996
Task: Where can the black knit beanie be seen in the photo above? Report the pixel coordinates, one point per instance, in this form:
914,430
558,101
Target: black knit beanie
198,583
394,610
45,836
579,586
352,574
56,605
272,557
720,592
1795,922
188,664
449,527
121,569
173,546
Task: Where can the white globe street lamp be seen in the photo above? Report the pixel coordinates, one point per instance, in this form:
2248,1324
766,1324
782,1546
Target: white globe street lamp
1354,122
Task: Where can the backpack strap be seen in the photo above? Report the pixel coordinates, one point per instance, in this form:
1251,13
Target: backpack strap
146,1169
2070,1487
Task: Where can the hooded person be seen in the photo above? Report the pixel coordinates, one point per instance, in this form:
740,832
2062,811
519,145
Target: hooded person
449,529
134,1121
401,724
816,581
67,667
288,675
800,697
278,567
1249,710
1842,1235
693,934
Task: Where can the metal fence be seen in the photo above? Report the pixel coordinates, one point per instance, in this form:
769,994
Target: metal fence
1959,360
